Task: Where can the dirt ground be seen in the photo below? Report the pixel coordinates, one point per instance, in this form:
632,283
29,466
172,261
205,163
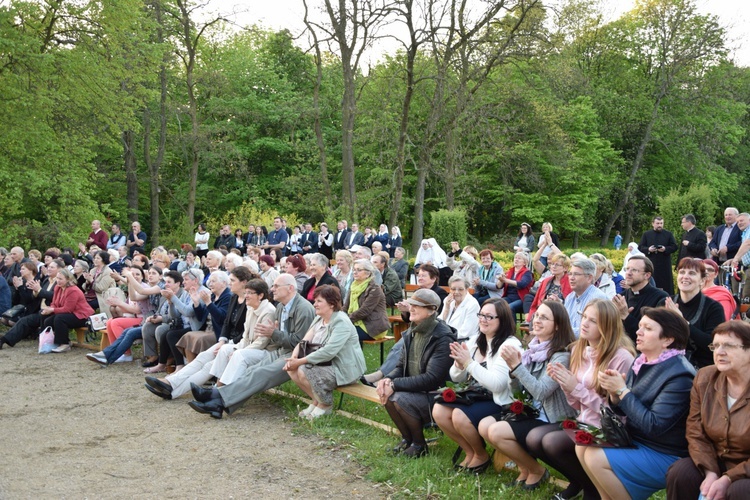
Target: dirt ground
70,429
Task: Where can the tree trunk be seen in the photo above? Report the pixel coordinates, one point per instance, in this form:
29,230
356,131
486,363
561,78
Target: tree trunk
637,163
348,110
317,126
131,175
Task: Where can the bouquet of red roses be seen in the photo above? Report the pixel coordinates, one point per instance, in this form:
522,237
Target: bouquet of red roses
584,434
520,409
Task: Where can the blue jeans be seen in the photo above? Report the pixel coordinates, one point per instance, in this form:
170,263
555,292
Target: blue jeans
391,361
122,344
516,306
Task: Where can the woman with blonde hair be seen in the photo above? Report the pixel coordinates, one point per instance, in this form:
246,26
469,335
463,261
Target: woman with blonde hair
603,277
602,345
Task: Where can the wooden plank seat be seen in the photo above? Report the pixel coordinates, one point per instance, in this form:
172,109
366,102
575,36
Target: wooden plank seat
81,341
381,342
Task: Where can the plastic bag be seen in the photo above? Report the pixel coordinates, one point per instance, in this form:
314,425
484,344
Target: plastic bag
46,341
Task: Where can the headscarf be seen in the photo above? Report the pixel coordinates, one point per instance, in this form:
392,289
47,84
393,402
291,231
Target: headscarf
433,254
632,251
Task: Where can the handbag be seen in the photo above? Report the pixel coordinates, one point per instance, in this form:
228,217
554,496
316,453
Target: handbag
306,348
614,428
46,341
464,396
14,313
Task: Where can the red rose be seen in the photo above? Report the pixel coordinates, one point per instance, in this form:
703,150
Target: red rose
583,437
569,424
516,407
449,395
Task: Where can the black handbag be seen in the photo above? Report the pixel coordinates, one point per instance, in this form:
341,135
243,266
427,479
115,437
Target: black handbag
307,347
14,313
614,429
465,396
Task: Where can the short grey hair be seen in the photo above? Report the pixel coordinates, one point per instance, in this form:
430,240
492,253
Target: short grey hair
219,276
455,278
365,265
586,265
217,255
319,259
194,272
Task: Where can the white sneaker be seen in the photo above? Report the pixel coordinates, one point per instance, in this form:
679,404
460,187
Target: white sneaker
307,411
97,357
124,359
61,348
318,412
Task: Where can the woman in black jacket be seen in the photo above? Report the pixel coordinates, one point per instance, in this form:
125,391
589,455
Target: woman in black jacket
319,276
404,390
655,398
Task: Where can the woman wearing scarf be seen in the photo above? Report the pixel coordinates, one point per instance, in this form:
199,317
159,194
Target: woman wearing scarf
365,304
394,241
551,336
655,398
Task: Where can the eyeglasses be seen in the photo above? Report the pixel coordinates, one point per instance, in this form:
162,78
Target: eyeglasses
190,272
726,347
357,270
486,317
458,290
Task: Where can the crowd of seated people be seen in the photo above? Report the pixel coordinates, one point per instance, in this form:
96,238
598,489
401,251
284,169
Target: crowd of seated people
263,308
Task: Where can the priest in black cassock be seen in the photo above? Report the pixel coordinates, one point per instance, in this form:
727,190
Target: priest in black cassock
693,243
658,245
638,293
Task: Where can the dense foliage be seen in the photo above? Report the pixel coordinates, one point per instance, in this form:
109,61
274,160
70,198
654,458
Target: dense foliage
148,109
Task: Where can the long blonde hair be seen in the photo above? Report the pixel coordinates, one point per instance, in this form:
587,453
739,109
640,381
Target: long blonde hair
612,339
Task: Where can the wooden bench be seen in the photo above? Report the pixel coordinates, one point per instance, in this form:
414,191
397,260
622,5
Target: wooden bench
398,326
381,341
81,339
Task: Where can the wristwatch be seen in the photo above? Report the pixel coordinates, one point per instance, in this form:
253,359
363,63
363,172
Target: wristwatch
619,392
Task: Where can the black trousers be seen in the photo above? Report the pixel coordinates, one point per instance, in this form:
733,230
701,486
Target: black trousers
62,324
25,328
170,349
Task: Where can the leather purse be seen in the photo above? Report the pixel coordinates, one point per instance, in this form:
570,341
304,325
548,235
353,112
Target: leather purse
614,428
307,347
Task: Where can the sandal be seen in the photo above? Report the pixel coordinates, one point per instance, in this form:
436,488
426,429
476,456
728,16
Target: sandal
158,368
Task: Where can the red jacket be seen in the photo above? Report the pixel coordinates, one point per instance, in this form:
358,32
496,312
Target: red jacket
541,293
521,274
71,300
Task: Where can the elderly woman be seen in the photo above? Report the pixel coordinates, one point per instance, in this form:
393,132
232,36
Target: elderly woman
603,277
98,281
268,272
516,282
460,309
365,304
80,269
394,241
216,304
464,262
343,272
717,424
602,345
702,313
338,359
655,398
68,310
525,241
555,285
485,285
552,335
296,266
424,366
400,265
430,253
632,250
319,276
213,262
479,362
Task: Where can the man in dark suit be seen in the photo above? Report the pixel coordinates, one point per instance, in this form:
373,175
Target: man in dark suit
309,242
694,241
354,237
339,239
726,241
659,244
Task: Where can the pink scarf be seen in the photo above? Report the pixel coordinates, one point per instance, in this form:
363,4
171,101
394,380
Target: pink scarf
536,353
665,355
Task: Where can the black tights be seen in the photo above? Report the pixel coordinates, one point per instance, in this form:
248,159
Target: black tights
551,445
409,427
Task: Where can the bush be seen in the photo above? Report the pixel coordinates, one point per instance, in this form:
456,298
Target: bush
447,226
698,200
246,214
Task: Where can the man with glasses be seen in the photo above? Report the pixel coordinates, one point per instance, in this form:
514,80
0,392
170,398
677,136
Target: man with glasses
294,315
583,291
639,294
136,240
